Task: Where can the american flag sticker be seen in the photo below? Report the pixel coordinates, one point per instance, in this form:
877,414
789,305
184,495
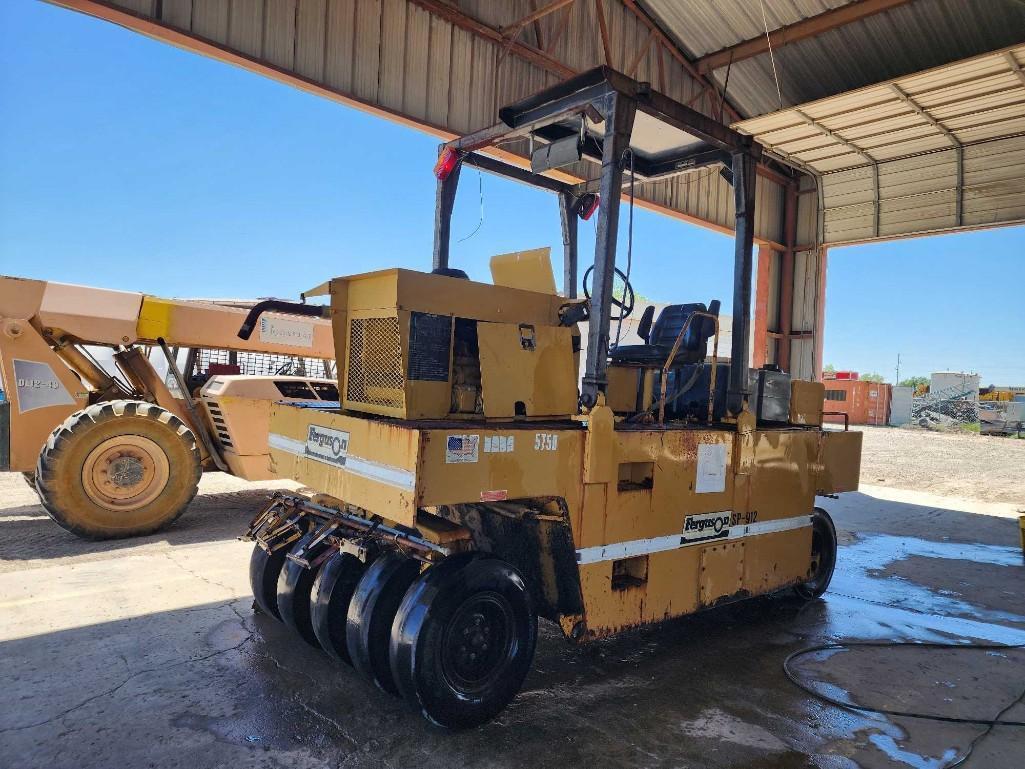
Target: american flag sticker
461,448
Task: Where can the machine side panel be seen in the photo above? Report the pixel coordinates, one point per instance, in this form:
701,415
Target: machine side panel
478,464
839,462
41,389
531,365
368,463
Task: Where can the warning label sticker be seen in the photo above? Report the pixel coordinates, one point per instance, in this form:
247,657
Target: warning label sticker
711,469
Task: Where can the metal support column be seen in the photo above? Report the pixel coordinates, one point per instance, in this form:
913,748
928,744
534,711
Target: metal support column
569,245
619,118
744,201
444,202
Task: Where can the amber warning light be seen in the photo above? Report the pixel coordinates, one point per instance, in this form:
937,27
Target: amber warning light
447,162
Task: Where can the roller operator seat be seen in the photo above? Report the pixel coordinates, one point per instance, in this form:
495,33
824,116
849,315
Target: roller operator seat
659,338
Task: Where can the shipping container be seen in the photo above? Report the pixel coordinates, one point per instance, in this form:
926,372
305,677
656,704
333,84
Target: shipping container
865,403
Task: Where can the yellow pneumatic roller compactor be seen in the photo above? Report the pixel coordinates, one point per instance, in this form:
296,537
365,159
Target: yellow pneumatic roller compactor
468,481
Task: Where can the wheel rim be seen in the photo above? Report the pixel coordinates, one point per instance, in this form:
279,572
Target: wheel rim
478,643
125,473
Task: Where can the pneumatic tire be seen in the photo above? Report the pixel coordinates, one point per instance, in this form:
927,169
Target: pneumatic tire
118,469
463,640
329,602
823,556
295,583
368,624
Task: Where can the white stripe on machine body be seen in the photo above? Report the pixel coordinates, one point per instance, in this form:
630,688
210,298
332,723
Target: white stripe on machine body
635,547
365,468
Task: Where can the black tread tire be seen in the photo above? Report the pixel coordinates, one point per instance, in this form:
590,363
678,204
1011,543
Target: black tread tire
421,626
329,603
823,536
264,569
295,583
371,612
59,469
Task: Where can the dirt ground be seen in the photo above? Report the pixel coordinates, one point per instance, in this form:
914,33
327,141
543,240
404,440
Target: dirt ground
966,465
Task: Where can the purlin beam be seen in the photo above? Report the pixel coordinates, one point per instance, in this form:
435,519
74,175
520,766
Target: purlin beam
677,54
810,27
954,141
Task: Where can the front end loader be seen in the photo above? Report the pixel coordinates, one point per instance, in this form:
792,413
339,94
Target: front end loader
114,448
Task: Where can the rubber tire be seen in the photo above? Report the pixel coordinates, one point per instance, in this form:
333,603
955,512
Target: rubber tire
59,469
329,603
371,612
295,583
419,630
264,569
823,533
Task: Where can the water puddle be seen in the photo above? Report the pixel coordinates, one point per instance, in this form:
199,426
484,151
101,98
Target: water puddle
889,746
859,576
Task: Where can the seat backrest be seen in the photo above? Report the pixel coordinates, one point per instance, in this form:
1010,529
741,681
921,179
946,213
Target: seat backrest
671,320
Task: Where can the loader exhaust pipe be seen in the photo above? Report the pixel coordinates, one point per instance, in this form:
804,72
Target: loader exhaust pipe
278,305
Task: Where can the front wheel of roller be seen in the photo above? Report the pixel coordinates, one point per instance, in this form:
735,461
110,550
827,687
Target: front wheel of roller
264,569
295,584
329,602
463,640
823,556
371,612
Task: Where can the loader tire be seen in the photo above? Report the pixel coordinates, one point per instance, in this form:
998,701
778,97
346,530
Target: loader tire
371,612
823,551
295,583
463,640
118,469
329,602
30,479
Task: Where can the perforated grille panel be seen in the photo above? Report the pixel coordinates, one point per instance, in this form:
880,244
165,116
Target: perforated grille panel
375,363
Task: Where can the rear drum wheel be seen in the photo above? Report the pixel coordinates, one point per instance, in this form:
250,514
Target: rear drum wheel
294,585
329,602
463,640
118,469
371,612
823,556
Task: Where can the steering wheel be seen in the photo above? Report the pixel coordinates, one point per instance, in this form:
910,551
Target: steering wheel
625,305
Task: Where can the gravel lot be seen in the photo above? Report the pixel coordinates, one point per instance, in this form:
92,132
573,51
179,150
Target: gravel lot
985,468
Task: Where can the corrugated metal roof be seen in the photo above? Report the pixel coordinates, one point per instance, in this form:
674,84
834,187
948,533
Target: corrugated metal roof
974,100
891,44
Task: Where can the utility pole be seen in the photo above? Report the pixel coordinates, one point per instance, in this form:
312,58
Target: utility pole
897,382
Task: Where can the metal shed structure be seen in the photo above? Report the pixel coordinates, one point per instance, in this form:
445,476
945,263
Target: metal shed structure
883,118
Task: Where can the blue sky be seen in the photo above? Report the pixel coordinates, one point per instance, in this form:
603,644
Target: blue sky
127,163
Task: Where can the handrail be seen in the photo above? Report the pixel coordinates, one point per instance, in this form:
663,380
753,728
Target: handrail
844,414
672,355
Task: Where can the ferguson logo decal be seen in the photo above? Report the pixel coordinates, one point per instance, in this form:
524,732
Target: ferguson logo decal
706,526
327,444
38,387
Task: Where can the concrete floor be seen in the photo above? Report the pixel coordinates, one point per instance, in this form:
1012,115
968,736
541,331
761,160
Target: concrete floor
147,653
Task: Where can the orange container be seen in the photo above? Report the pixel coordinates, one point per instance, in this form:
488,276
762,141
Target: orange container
865,403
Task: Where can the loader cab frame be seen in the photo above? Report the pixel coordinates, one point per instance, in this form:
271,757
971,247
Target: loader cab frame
605,118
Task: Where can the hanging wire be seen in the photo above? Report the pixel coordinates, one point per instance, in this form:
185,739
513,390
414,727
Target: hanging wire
772,57
480,222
